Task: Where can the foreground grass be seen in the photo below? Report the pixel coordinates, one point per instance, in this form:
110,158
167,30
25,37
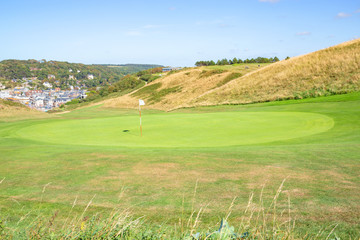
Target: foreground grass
322,173
257,222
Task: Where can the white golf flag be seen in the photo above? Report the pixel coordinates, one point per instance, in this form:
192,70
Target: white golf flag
141,102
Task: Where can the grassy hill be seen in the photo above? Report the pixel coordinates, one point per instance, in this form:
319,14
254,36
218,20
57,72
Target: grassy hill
329,71
178,88
11,111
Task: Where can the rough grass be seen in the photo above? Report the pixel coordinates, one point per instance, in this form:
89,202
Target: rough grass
181,87
152,94
259,220
335,70
331,71
147,90
229,78
13,111
208,73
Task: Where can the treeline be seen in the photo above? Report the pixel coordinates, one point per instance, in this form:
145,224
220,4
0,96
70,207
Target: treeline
236,61
140,67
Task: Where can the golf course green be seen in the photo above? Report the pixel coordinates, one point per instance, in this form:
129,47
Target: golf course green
192,159
181,130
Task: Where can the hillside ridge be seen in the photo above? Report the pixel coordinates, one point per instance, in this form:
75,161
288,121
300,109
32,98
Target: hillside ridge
317,91
329,71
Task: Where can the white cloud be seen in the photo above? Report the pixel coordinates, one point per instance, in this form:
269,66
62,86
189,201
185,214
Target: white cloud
303,33
133,33
270,1
343,15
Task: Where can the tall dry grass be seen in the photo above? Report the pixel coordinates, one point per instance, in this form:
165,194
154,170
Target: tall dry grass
330,71
190,83
259,220
10,111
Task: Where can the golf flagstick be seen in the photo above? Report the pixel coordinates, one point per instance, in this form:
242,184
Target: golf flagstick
141,103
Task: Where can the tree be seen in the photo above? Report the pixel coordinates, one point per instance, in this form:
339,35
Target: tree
111,89
224,62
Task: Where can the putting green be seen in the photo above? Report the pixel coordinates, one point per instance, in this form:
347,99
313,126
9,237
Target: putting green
181,129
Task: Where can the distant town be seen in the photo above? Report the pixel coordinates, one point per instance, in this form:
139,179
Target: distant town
45,85
43,100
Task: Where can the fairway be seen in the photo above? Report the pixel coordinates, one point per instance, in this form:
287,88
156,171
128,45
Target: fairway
181,130
226,151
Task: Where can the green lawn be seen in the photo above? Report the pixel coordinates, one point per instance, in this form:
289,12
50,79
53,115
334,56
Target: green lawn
228,151
168,130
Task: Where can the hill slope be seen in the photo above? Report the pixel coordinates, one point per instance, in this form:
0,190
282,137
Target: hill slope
179,88
330,71
10,111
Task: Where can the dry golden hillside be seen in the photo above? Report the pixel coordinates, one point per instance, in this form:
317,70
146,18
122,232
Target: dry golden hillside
15,111
178,89
329,71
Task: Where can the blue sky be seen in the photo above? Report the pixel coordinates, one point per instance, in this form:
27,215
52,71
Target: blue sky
174,33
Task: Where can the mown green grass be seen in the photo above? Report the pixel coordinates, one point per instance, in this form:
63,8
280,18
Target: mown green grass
171,130
322,169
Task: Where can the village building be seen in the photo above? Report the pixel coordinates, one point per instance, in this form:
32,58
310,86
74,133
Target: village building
47,84
43,100
168,69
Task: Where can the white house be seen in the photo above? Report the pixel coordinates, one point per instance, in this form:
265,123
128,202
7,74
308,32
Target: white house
47,84
168,69
90,76
5,94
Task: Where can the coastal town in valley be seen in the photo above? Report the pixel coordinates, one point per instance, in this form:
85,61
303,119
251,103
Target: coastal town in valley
45,98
